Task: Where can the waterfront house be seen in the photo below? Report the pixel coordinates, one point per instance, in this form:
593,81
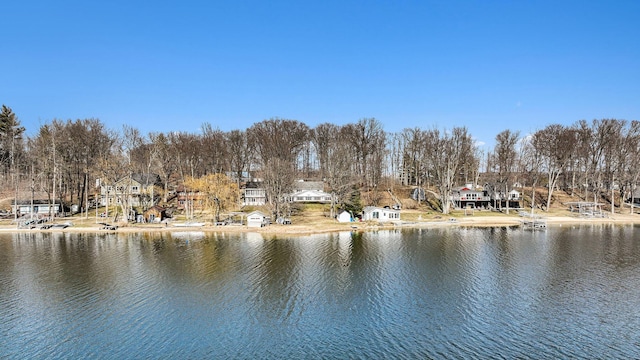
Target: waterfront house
380,214
187,200
138,189
468,196
37,207
309,191
501,199
310,196
253,193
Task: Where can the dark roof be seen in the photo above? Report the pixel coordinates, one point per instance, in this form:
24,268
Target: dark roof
309,185
147,179
37,202
253,185
157,208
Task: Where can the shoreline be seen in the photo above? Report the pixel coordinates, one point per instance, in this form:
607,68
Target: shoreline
321,228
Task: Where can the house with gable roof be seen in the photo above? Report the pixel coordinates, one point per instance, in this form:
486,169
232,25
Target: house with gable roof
309,191
469,195
138,189
381,214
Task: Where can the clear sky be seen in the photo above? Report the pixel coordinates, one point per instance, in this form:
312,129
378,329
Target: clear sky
165,66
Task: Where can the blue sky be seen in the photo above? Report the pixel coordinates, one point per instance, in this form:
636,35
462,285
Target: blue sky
166,66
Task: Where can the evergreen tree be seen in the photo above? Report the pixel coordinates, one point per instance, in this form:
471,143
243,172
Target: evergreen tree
353,204
10,139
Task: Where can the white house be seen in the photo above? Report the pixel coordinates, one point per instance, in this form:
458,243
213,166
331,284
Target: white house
310,196
256,219
253,194
344,216
380,214
309,191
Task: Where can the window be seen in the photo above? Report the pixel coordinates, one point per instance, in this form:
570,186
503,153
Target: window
375,215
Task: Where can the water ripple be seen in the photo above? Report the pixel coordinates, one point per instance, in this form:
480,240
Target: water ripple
437,293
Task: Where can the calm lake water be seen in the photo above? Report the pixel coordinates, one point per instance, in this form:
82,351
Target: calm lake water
568,292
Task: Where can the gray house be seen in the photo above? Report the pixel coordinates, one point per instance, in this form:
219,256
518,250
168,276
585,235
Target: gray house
37,207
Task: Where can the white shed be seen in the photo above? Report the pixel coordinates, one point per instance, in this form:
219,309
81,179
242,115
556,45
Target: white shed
344,216
256,219
380,214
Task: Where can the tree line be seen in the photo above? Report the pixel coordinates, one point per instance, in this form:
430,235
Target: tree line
596,159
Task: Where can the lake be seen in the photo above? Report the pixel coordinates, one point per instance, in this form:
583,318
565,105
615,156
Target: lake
454,293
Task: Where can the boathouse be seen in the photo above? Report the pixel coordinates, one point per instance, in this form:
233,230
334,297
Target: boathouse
257,219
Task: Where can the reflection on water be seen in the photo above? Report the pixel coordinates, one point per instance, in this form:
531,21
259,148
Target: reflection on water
568,292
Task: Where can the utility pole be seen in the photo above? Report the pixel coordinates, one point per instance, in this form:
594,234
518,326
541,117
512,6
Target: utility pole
33,185
15,202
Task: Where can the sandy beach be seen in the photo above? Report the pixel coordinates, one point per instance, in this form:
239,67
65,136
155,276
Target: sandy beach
304,226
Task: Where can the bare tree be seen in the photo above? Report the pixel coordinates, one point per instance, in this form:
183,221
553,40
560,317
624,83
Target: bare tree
395,153
614,157
164,160
335,159
186,149
413,155
367,138
505,156
552,143
81,142
278,143
215,150
631,167
279,138
323,138
530,163
239,153
446,152
42,155
279,177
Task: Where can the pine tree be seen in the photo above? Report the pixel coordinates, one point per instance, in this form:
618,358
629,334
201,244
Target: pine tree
354,204
10,138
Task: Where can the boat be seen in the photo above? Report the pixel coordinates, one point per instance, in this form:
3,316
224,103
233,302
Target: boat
189,224
63,225
538,224
533,222
107,226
